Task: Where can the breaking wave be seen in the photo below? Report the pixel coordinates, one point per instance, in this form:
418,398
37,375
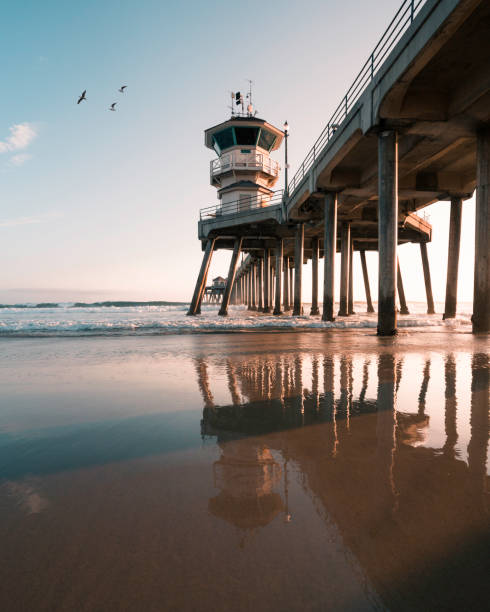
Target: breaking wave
153,318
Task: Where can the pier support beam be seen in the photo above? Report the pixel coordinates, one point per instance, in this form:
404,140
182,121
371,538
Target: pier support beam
315,248
366,282
427,281
195,307
237,247
279,258
291,287
329,249
481,291
350,301
401,292
344,269
253,272
285,298
267,272
298,268
260,284
387,230
453,258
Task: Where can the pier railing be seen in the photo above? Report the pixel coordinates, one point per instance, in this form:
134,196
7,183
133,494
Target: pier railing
398,26
246,204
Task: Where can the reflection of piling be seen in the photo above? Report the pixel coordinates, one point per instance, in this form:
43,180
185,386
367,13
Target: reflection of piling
328,405
451,405
386,429
203,382
423,387
477,447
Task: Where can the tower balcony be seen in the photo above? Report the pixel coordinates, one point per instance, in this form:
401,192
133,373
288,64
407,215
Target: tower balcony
236,160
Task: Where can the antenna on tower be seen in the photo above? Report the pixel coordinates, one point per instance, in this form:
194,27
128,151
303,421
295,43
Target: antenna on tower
250,107
232,107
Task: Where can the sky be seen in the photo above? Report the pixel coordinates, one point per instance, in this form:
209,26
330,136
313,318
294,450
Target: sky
102,205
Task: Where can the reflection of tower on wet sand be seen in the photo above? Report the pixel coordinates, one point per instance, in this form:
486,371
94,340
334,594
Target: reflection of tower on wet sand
415,517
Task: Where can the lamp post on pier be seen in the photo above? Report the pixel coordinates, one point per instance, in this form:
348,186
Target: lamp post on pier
286,134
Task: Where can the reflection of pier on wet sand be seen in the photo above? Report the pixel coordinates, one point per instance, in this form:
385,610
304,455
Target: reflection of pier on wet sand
415,517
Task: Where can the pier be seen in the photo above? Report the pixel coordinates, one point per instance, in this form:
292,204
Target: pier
413,129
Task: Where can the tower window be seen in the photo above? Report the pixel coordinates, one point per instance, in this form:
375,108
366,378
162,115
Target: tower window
223,140
246,135
266,139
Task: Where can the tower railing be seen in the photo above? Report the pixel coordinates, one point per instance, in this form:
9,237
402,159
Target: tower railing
398,26
246,204
253,161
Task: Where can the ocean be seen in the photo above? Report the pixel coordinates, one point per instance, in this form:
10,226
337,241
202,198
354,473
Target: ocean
155,318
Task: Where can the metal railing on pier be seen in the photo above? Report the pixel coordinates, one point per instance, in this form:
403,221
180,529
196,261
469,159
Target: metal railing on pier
246,204
398,26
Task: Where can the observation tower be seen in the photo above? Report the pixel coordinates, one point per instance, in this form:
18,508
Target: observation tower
243,173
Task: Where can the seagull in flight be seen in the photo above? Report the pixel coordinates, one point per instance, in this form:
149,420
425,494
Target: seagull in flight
112,106
82,97
122,88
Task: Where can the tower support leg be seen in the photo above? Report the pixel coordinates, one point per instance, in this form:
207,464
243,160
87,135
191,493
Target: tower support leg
315,248
298,268
237,247
195,307
387,231
329,249
344,269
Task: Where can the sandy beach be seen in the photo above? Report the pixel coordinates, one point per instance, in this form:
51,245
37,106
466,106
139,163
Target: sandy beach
320,470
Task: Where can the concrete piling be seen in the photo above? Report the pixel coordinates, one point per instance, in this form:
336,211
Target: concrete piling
195,307
285,298
260,284
278,287
387,231
344,269
237,247
453,258
401,292
267,271
366,282
350,301
481,290
315,249
329,249
298,268
427,281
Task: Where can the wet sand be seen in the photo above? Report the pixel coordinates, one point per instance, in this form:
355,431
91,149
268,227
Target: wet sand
250,471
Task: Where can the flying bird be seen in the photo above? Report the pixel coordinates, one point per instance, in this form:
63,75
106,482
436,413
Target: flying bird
82,97
122,88
112,106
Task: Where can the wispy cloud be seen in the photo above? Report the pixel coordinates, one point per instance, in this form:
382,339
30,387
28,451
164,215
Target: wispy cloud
21,136
19,159
29,220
